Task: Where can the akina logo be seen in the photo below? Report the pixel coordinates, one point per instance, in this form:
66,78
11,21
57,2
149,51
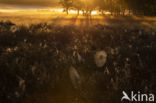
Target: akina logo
138,97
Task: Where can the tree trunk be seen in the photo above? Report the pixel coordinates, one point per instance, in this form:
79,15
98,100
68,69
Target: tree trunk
90,12
83,12
102,12
78,12
67,10
123,13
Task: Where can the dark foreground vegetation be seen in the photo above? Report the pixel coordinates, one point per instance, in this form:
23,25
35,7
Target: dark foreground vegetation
51,64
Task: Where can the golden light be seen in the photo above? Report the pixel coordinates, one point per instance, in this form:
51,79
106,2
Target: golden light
60,10
107,13
94,13
6,10
47,11
73,11
56,10
81,12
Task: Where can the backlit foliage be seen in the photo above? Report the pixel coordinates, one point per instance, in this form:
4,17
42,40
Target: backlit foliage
45,63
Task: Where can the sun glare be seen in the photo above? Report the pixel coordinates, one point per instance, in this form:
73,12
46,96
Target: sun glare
56,10
45,11
94,12
73,11
5,10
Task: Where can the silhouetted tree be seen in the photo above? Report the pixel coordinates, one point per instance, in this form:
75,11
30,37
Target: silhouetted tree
145,7
78,5
115,7
66,4
89,6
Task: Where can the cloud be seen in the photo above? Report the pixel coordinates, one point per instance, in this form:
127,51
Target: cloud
46,3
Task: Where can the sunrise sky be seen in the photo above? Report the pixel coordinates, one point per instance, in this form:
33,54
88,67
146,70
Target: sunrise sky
27,4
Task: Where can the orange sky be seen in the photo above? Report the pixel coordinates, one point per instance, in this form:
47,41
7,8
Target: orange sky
9,4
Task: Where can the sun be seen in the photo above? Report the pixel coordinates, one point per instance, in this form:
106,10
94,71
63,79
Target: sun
94,13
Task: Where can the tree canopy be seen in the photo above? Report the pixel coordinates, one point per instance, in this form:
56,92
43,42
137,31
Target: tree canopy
115,7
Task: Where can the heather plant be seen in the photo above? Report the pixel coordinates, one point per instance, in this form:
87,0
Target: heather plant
92,64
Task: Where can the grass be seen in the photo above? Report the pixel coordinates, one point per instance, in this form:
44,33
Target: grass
35,61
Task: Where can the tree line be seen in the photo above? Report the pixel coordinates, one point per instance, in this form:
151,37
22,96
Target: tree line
115,7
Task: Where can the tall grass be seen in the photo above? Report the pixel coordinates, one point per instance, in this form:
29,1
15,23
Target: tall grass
37,59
